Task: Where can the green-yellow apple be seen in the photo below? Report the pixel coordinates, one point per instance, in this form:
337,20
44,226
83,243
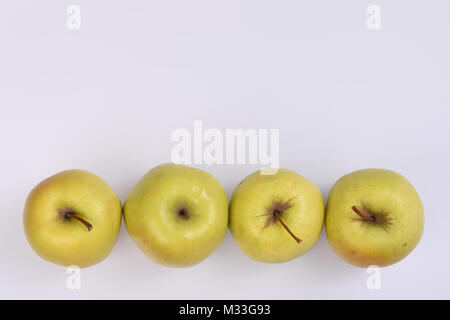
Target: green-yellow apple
373,217
276,218
177,215
72,218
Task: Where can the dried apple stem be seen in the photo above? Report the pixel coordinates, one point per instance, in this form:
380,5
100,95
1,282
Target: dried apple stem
362,214
74,216
277,215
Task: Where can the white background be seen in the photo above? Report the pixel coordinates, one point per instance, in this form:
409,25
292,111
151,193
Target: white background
106,98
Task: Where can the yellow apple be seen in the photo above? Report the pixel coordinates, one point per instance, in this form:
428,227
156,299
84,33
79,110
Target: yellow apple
276,218
373,217
177,215
72,218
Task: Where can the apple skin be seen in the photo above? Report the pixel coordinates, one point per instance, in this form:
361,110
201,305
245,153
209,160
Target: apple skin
152,217
253,198
364,244
69,242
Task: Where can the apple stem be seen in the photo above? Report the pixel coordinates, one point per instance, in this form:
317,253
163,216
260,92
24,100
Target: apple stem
277,215
74,216
362,214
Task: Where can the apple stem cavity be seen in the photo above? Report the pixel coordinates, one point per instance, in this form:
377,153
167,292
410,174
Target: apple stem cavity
363,214
70,214
183,212
278,217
